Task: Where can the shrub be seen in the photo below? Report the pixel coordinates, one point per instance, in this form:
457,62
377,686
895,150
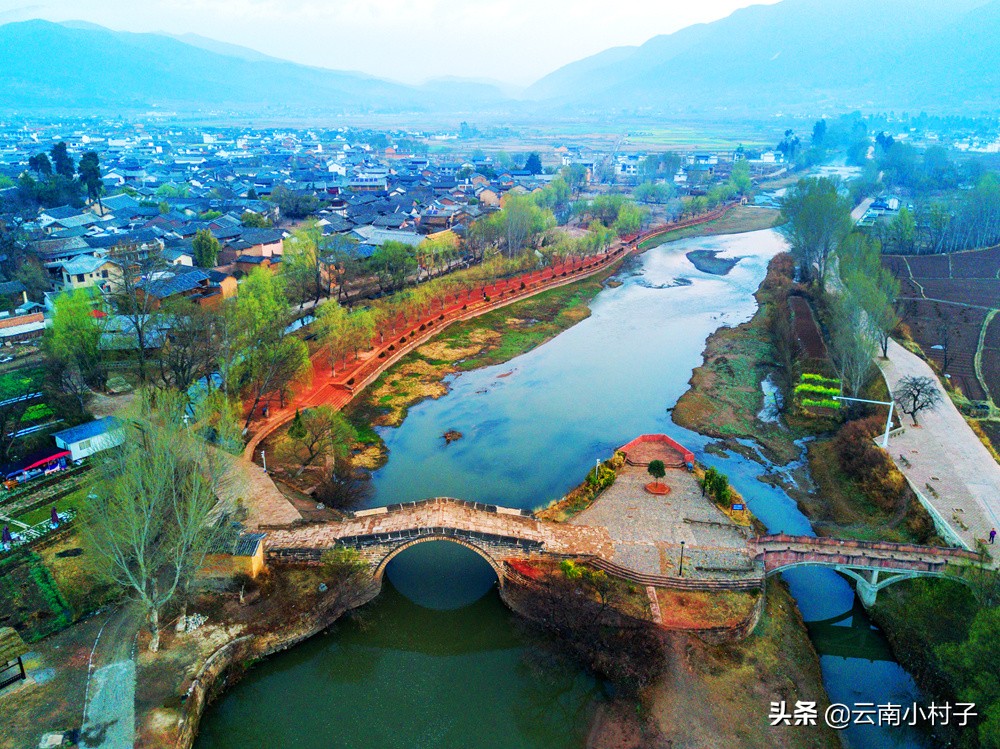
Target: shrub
868,466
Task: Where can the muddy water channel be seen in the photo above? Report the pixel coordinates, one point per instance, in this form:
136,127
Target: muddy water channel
437,660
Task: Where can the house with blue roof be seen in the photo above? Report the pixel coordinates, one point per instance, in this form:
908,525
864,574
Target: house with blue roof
84,440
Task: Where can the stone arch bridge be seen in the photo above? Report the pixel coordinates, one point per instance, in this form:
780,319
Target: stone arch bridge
499,534
873,565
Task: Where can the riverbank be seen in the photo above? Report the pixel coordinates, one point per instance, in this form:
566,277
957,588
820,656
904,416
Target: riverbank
292,605
708,692
490,339
737,220
726,399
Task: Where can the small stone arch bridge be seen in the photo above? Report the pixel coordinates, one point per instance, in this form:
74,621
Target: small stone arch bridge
495,533
873,565
499,534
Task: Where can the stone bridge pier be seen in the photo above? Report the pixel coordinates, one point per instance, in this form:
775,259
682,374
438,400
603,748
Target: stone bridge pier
868,582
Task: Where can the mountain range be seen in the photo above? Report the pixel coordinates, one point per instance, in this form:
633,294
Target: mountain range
797,56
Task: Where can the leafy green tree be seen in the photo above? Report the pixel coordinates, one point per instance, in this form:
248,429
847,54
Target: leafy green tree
73,342
522,221
816,220
62,162
739,178
294,204
629,220
255,220
874,286
852,346
974,667
151,515
40,165
903,231
391,263
657,470
206,249
575,176
648,192
272,359
89,171
317,434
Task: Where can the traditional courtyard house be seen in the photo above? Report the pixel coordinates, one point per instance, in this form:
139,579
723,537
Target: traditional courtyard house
84,271
178,282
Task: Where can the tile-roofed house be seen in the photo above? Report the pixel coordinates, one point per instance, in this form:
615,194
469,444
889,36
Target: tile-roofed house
180,281
84,271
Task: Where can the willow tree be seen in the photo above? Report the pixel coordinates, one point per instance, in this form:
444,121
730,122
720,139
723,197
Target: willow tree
153,513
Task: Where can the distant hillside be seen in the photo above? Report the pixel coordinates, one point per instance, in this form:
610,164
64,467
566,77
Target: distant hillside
801,55
795,57
85,67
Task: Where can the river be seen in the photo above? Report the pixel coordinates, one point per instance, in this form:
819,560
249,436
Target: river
436,660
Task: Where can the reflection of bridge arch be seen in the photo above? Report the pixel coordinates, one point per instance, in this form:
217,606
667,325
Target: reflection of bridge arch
849,635
452,537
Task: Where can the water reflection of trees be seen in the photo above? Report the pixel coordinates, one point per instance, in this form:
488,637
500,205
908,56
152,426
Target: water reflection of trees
557,697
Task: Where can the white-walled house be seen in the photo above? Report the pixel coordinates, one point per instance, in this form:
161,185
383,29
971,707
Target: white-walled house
84,440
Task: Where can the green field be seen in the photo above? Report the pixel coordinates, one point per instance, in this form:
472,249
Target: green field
21,382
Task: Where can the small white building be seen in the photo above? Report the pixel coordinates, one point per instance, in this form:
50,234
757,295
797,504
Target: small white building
84,440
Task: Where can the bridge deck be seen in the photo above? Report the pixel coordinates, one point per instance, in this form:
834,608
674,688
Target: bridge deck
557,538
646,530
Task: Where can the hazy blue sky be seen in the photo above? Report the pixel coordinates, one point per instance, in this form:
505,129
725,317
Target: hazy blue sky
410,40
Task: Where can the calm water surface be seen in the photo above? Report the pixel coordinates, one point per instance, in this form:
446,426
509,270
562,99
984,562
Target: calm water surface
437,660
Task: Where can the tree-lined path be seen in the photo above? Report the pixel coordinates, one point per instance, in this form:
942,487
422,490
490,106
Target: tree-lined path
953,473
338,388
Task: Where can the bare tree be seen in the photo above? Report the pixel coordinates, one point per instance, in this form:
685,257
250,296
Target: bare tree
152,515
137,268
852,347
916,394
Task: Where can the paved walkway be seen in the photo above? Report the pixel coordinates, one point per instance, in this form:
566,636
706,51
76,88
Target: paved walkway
647,530
944,460
109,713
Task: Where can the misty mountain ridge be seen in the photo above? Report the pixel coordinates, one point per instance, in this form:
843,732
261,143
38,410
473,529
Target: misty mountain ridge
798,56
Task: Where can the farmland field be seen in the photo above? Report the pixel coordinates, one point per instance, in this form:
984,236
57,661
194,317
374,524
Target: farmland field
947,301
807,332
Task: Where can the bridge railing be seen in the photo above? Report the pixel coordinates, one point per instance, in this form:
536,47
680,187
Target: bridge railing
888,546
403,506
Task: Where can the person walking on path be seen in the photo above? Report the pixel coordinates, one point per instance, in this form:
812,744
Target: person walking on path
993,534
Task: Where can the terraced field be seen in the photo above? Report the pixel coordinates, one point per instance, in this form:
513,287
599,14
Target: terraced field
949,303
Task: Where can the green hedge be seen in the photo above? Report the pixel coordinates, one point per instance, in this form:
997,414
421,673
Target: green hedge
816,389
826,403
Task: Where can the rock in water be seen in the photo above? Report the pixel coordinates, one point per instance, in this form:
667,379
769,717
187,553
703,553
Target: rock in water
451,435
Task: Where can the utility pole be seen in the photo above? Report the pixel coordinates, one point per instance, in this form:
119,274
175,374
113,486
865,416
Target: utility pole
263,459
888,421
680,571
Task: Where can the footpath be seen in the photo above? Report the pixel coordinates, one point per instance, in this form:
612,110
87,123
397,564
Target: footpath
954,475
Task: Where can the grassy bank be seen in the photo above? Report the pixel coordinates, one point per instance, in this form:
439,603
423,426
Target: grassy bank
742,218
493,338
720,695
725,394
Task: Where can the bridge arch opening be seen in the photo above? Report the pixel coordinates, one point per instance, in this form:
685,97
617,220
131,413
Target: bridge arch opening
440,572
